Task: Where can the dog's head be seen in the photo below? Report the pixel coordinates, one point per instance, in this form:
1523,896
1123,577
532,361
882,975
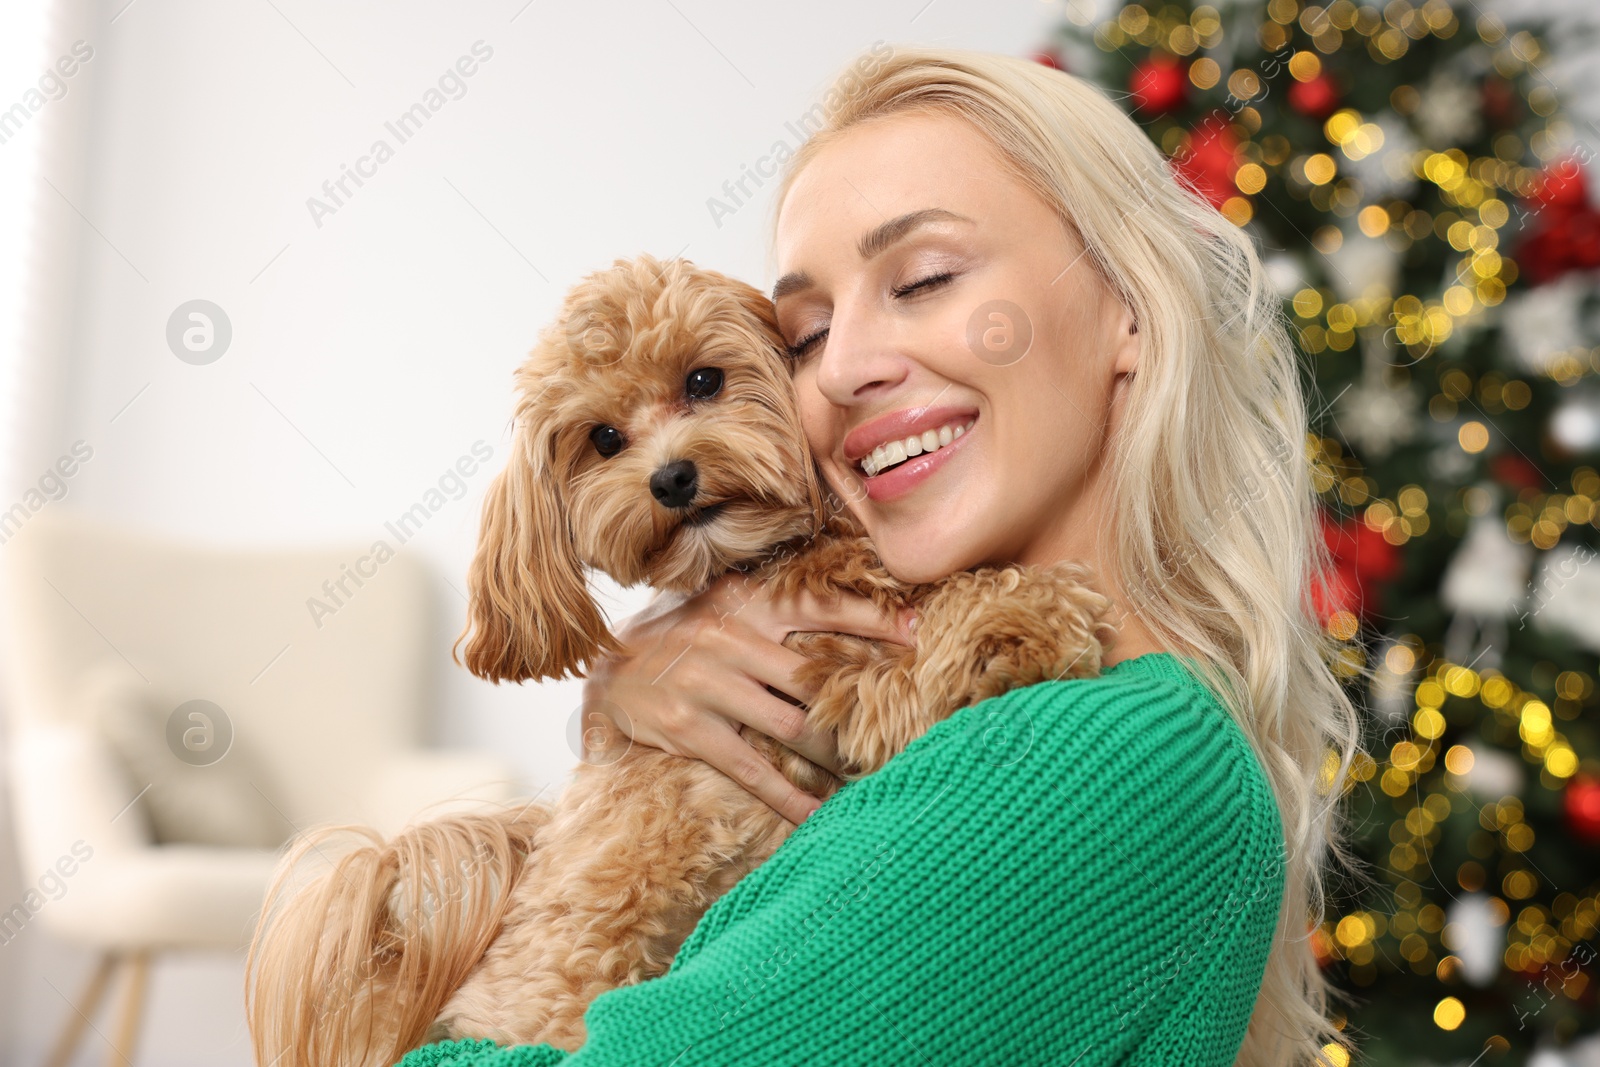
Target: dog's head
658,440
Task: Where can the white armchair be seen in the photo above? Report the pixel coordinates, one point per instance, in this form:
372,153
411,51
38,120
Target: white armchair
325,709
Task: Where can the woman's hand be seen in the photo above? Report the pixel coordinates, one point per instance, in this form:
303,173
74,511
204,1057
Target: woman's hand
694,669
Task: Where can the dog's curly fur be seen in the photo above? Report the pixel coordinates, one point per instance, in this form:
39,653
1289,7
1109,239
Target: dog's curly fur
508,925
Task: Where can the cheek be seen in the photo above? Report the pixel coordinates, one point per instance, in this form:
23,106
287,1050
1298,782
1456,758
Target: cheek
598,488
815,417
1051,421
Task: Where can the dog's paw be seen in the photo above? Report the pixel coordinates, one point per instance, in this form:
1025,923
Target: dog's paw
988,631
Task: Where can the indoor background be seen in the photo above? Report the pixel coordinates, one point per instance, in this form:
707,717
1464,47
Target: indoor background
241,345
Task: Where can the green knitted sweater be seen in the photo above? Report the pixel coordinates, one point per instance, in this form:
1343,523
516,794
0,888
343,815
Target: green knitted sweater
1084,872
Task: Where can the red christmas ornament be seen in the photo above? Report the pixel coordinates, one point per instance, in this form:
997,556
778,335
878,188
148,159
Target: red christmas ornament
1333,592
1582,803
1363,561
1158,85
1317,98
1562,186
1516,471
1565,231
1208,162
1049,59
1563,241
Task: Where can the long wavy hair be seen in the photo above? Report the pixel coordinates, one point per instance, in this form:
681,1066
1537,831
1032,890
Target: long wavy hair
1214,533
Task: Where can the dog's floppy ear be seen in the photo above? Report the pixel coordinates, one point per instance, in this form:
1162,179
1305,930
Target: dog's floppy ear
530,614
763,319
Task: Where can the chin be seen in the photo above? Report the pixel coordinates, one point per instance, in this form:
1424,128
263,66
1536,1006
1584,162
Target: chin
917,567
953,532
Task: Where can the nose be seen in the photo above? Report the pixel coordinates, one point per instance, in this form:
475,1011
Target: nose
858,358
674,485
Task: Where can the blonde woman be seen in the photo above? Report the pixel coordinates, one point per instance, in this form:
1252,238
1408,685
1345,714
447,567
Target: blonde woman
1121,869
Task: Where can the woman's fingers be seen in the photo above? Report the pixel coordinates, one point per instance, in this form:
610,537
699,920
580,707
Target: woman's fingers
773,664
694,669
789,725
737,691
731,754
850,614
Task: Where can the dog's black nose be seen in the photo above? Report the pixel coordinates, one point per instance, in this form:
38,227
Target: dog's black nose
674,485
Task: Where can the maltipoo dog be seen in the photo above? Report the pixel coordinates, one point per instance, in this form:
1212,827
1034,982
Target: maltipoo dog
657,440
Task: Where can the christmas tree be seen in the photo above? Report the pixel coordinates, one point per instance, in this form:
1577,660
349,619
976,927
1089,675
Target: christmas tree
1414,190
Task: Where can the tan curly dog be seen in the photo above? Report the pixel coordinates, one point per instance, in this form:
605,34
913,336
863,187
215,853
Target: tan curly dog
657,440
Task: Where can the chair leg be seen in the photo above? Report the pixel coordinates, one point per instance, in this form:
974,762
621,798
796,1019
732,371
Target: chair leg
137,966
82,1011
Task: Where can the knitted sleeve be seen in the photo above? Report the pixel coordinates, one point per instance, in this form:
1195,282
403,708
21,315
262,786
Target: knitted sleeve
1083,872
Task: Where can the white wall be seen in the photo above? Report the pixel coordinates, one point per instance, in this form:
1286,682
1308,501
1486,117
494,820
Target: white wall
370,352
375,350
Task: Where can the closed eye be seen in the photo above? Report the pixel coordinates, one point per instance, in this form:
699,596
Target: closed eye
800,349
932,281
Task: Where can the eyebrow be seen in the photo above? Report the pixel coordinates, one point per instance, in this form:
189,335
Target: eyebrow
872,244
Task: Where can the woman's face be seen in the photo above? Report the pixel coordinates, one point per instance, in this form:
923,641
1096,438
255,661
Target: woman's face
929,290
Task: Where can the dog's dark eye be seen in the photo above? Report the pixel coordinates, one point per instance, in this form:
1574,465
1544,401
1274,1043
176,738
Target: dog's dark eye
608,440
703,383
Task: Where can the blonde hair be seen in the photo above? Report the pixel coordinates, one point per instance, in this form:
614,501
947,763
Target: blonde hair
1215,535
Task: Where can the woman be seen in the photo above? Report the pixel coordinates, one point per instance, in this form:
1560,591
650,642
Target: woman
1112,870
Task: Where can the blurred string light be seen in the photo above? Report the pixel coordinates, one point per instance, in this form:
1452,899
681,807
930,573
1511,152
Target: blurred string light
1416,930
1534,517
1475,191
1466,208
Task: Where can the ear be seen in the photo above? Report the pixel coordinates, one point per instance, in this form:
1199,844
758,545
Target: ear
529,611
1127,340
755,304
765,317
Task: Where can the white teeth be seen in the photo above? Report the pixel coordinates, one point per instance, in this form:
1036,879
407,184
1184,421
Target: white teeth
887,455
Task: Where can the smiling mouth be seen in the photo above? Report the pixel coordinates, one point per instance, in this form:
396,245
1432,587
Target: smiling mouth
891,454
